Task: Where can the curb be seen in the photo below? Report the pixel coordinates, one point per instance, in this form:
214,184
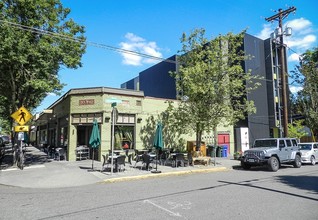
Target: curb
147,176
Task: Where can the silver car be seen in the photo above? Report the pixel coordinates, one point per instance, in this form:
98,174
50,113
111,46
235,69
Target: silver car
309,152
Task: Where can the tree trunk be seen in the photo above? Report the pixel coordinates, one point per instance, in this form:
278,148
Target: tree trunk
198,140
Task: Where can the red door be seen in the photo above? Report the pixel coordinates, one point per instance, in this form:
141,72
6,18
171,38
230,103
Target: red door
224,139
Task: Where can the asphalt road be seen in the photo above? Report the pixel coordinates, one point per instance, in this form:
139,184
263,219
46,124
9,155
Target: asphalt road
290,193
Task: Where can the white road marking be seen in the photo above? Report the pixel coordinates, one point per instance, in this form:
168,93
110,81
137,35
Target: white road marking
185,205
164,209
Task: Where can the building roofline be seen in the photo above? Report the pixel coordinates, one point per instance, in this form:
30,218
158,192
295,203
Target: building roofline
96,90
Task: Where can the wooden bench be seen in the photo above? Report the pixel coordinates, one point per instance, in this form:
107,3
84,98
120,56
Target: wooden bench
202,160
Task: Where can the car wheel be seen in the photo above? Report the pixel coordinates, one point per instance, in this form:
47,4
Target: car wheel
297,161
312,160
245,166
273,164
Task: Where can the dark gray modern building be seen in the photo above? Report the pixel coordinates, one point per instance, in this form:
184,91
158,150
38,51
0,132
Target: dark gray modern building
156,81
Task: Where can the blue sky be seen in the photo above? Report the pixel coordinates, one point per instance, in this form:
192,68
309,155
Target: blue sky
154,27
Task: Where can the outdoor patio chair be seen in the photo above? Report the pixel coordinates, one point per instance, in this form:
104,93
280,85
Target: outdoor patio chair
138,157
163,156
106,163
60,154
146,161
120,163
181,159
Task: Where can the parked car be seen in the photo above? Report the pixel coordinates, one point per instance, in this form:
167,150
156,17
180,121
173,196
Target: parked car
272,152
309,152
6,139
2,149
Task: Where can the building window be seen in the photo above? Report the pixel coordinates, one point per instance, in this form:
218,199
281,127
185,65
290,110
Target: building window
124,137
138,102
126,119
86,118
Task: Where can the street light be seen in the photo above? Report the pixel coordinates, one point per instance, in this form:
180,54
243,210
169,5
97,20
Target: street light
114,103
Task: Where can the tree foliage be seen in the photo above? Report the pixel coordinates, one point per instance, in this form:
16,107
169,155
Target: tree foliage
212,83
296,129
306,74
37,40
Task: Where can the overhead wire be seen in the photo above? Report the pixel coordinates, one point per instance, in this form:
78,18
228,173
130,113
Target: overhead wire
77,40
94,44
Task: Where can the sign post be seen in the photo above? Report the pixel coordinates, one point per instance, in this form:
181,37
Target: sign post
21,116
114,102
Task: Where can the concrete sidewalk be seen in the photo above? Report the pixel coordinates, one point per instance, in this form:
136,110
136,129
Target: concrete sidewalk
41,172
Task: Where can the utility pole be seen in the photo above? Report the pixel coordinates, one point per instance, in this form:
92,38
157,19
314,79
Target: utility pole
284,79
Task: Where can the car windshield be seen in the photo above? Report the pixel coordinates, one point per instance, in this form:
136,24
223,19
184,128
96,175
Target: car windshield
304,146
6,138
265,143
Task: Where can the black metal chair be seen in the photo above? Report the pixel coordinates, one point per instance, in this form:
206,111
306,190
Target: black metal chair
181,159
138,157
106,163
60,153
120,163
146,161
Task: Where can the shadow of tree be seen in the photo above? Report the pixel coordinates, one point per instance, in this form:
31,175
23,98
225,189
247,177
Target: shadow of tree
31,158
171,132
301,182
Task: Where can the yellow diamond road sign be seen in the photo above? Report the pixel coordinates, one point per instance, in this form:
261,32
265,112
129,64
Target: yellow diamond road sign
22,116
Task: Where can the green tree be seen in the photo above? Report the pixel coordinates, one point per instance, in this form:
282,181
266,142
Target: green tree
306,74
37,40
212,83
296,129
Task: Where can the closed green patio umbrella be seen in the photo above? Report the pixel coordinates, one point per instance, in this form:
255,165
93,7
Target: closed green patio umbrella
94,140
158,142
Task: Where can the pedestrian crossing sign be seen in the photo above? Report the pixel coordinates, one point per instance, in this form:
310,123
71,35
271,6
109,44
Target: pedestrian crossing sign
21,116
21,128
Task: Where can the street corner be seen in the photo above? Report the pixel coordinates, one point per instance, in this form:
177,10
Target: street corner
164,174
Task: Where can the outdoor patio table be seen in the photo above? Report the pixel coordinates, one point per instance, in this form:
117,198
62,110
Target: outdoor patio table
115,156
173,156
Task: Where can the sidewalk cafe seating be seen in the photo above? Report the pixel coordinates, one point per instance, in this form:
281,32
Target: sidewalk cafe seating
163,156
146,161
106,163
120,163
138,157
51,151
60,153
181,159
82,152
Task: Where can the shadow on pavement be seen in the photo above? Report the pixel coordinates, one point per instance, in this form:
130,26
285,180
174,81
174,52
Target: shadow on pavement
301,182
31,158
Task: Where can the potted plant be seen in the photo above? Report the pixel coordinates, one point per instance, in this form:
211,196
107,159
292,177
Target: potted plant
237,155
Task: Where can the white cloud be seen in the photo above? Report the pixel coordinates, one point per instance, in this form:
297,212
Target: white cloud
293,57
266,31
295,89
139,45
302,37
299,24
51,94
301,42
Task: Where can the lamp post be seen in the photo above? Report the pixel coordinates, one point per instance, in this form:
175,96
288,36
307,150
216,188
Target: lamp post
114,103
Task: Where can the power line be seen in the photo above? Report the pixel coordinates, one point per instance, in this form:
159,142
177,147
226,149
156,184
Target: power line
94,44
77,40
